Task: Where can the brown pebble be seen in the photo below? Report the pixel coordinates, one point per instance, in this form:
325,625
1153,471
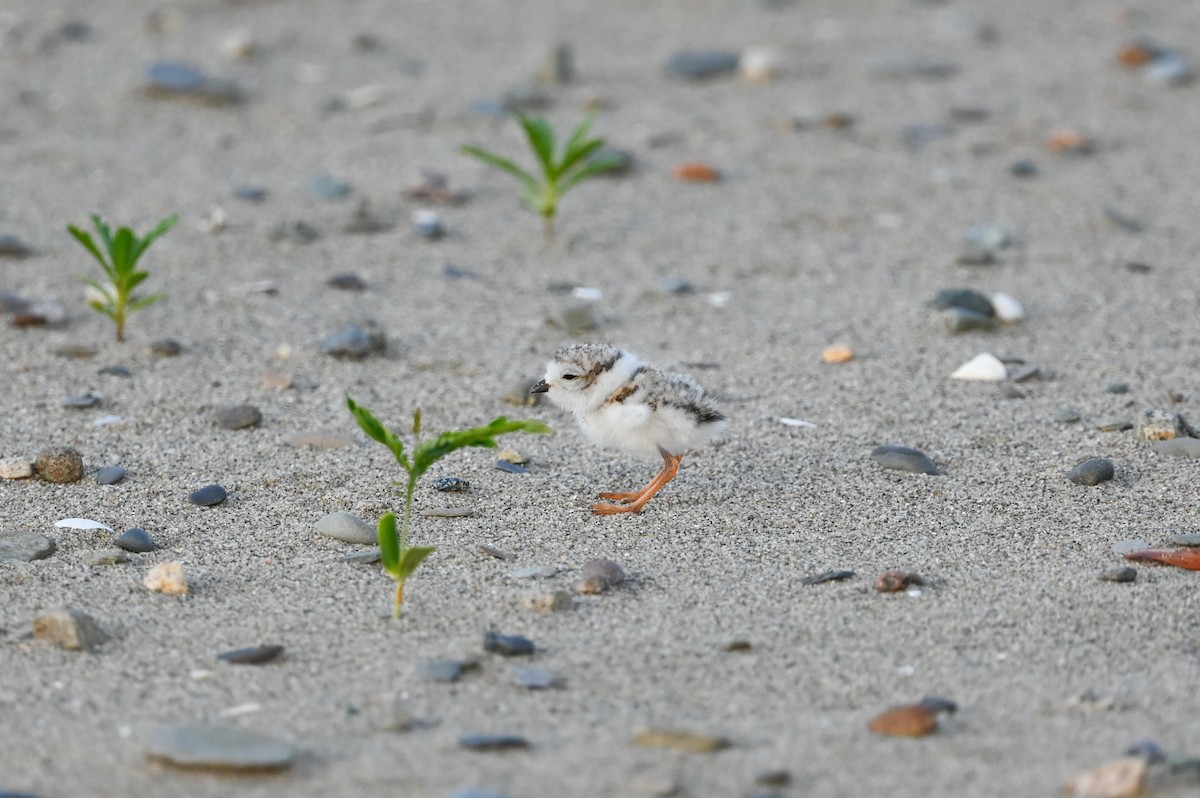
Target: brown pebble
838,353
696,172
895,581
914,720
837,121
1069,142
599,575
1133,56
554,601
60,464
274,381
679,740
71,629
1121,778
167,577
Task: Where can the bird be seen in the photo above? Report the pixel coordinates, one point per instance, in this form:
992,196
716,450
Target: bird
626,404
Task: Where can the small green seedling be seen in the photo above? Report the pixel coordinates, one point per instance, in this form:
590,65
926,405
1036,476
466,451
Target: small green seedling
115,298
558,176
399,559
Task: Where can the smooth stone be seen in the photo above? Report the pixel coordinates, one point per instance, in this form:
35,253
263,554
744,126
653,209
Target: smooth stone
960,320
364,557
451,485
1114,424
110,475
903,458
354,341
984,367
511,468
251,655
79,402
1170,69
1010,391
328,187
1008,309
206,746
534,678
827,576
61,464
679,740
1187,539
1117,388
1125,574
702,64
1159,425
1092,472
534,572
507,645
428,224
166,347
16,468
597,576
106,557
68,628
115,371
1122,220
297,232
1027,373
919,135
444,671
492,551
137,540
176,79
25,546
1023,169
457,511
963,298
621,161
348,528
493,742
248,193
1131,544
347,281
13,247
319,439
208,496
239,416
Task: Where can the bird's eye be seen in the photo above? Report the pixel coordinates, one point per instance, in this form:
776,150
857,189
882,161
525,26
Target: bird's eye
570,376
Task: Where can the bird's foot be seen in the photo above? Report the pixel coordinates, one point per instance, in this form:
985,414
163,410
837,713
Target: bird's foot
621,497
613,509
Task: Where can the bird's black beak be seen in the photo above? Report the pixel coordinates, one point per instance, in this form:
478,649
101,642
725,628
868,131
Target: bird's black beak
539,387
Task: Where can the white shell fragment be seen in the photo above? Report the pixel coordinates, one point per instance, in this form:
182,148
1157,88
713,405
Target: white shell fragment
81,523
796,422
587,293
1008,309
983,367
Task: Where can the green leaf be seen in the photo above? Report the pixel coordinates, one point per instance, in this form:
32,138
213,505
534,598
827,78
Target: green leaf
590,169
147,301
527,180
104,231
430,452
417,422
412,557
389,545
376,431
571,159
122,253
162,227
541,139
105,290
85,239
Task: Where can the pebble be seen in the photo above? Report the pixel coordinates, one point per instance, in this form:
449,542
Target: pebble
136,539
702,64
167,577
553,601
1023,169
1026,373
1008,309
274,381
106,557
1069,142
13,247
457,511
248,193
355,341
983,367
959,320
900,65
363,222
760,64
919,135
114,371
60,464
1159,425
827,576
1170,69
1114,424
679,740
328,187
179,80
599,575
444,671
238,45
964,298
348,528
1117,388
1148,750
451,485
347,281
251,655
84,400
621,162
298,232
903,458
1132,544
982,244
1125,574
75,351
15,468
68,628
1092,472
837,353
166,347
435,187
24,546
533,678
534,572
695,172
493,742
896,581
239,416
916,720
774,778
1186,539
1122,220
511,468
208,496
428,224
365,557
219,747
320,439
507,645
492,551
1121,778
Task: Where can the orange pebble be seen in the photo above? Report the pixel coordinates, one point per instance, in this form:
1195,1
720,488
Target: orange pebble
1134,55
696,172
910,721
838,353
1069,142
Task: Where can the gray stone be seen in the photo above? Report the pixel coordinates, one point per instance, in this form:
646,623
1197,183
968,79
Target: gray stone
1027,373
1114,424
364,557
179,80
297,232
328,187
452,485
60,464
106,557
827,576
1170,69
982,244
621,161
205,746
136,540
902,458
534,678
511,468
249,193
1092,472
445,671
534,572
702,64
1179,447
15,468
239,416
1124,574
507,645
960,320
1117,387
457,511
1129,544
13,247
166,347
71,629
1186,539
110,475
354,341
900,65
24,546
493,742
428,224
208,496
346,527
251,655
1023,168
84,400
1159,425
599,575
964,298
347,281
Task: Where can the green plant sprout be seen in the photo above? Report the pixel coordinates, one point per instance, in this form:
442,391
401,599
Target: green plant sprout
558,176
115,298
399,559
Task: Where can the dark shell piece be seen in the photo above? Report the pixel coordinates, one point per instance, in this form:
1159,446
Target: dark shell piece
251,655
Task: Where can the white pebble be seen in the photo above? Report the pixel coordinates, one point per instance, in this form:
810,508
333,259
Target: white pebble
719,299
796,422
587,294
760,63
238,45
81,523
15,468
983,367
1008,309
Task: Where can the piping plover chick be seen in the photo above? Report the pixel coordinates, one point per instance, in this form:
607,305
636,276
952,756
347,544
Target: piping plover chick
622,403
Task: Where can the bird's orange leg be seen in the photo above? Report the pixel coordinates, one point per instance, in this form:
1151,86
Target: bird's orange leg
636,501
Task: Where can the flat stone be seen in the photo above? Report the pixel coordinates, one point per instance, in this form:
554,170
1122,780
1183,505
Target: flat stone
180,80
534,572
702,64
68,628
348,528
110,475
457,511
533,678
318,439
1092,472
445,671
1117,388
75,351
251,655
347,281
239,416
493,742
1114,424
166,347
106,557
13,247
507,645
364,557
60,464
355,341
903,458
328,187
249,193
1125,574
205,746
964,298
960,320
135,539
22,546
1179,447
1159,425
679,740
1067,415
1026,373
451,485
81,401
208,496
1187,539
492,551
511,468
827,576
114,371
15,468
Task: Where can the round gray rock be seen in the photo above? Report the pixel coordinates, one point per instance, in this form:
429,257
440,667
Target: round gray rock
208,496
348,528
702,64
1092,472
204,746
25,546
902,458
110,475
136,540
355,341
239,416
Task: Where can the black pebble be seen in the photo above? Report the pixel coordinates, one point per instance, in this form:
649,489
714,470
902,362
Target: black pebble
347,281
1126,574
1092,472
136,540
507,645
208,496
252,655
827,576
493,742
115,371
